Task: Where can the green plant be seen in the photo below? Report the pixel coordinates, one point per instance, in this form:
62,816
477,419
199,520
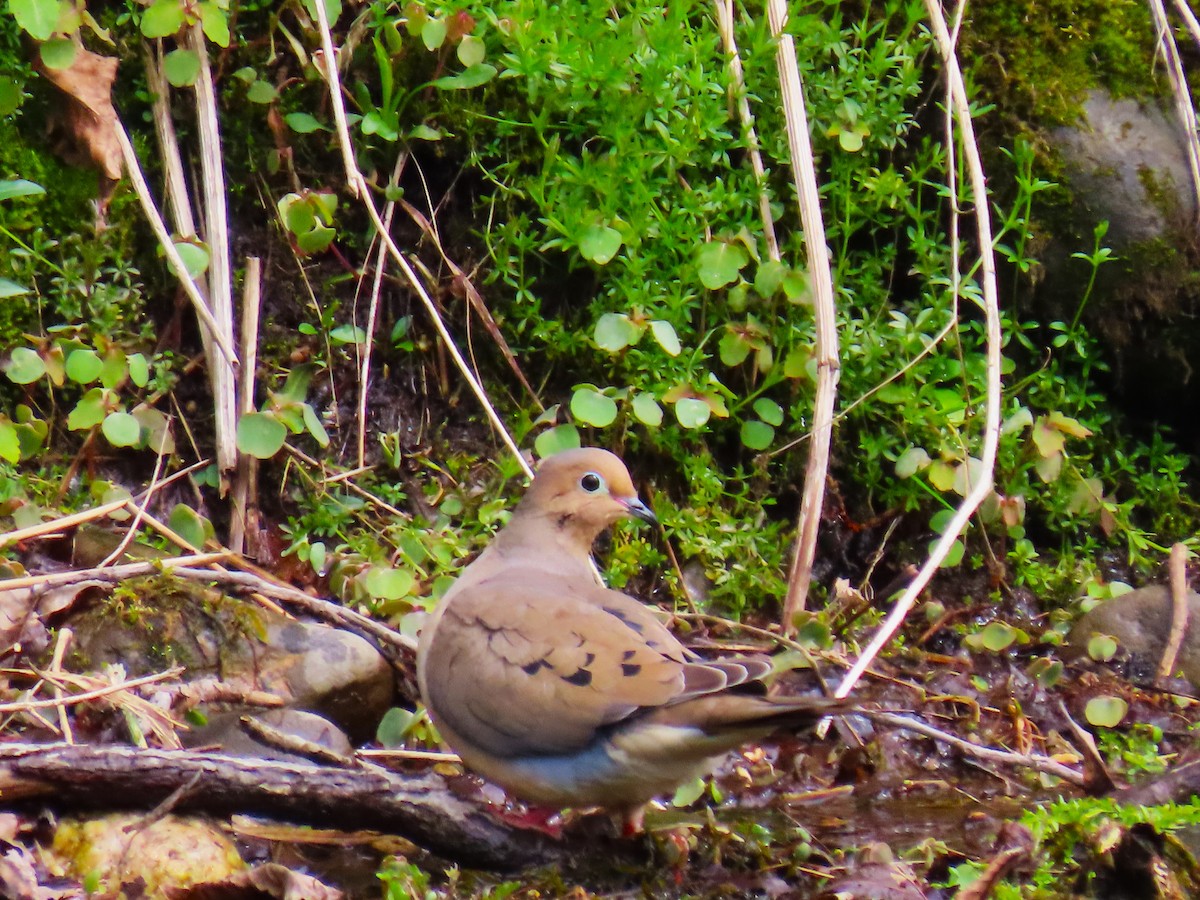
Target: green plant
1061,828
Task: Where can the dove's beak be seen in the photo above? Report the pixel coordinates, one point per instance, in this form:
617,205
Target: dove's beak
638,509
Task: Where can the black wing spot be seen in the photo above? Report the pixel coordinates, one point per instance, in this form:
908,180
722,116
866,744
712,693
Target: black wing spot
618,614
629,654
534,667
630,669
581,678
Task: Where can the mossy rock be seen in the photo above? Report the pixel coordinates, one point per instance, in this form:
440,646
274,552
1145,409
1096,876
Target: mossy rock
151,624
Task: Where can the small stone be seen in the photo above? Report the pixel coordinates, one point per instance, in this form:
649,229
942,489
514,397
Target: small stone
1141,622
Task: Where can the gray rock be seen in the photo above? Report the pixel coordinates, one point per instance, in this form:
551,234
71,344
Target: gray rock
1141,621
151,624
226,731
1126,162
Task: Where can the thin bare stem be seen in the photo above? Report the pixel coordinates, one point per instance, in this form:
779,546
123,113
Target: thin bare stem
60,651
20,706
138,515
1184,107
824,314
168,142
216,235
244,487
980,489
1025,760
360,189
113,573
55,525
142,189
724,10
1179,611
1189,19
364,376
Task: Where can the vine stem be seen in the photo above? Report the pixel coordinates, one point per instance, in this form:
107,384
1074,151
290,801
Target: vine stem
360,189
991,308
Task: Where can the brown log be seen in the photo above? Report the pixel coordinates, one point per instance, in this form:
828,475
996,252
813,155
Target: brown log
418,808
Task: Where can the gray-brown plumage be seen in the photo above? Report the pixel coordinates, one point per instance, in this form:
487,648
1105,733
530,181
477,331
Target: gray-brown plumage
564,692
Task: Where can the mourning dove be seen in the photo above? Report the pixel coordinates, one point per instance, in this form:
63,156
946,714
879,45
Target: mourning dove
566,693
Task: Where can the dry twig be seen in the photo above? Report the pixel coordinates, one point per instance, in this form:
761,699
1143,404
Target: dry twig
359,187
1179,611
724,9
824,314
991,429
1184,107
60,524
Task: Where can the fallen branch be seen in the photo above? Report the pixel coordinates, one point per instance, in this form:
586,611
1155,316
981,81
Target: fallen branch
1008,757
419,808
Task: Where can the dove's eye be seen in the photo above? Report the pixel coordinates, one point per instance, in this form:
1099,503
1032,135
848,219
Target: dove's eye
591,482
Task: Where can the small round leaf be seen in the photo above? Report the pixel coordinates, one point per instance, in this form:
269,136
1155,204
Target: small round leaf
593,408
182,67
394,725
163,19
556,439
614,332
471,51
262,92
997,636
1105,711
692,413
121,429
25,366
647,410
911,461
260,435
88,412
58,53
664,333
38,17
312,424
139,369
719,263
769,411
84,366
757,435
599,243
190,525
385,583
195,257
10,441
1102,647
433,33
302,123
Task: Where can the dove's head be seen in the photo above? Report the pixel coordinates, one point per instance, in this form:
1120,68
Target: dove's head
584,491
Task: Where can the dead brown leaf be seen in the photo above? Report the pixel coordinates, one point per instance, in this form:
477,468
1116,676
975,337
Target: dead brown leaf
269,880
84,128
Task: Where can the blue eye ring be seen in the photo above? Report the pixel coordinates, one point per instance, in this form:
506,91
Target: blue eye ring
591,482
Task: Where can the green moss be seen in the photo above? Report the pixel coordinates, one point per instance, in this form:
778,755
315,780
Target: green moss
69,190
1038,59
